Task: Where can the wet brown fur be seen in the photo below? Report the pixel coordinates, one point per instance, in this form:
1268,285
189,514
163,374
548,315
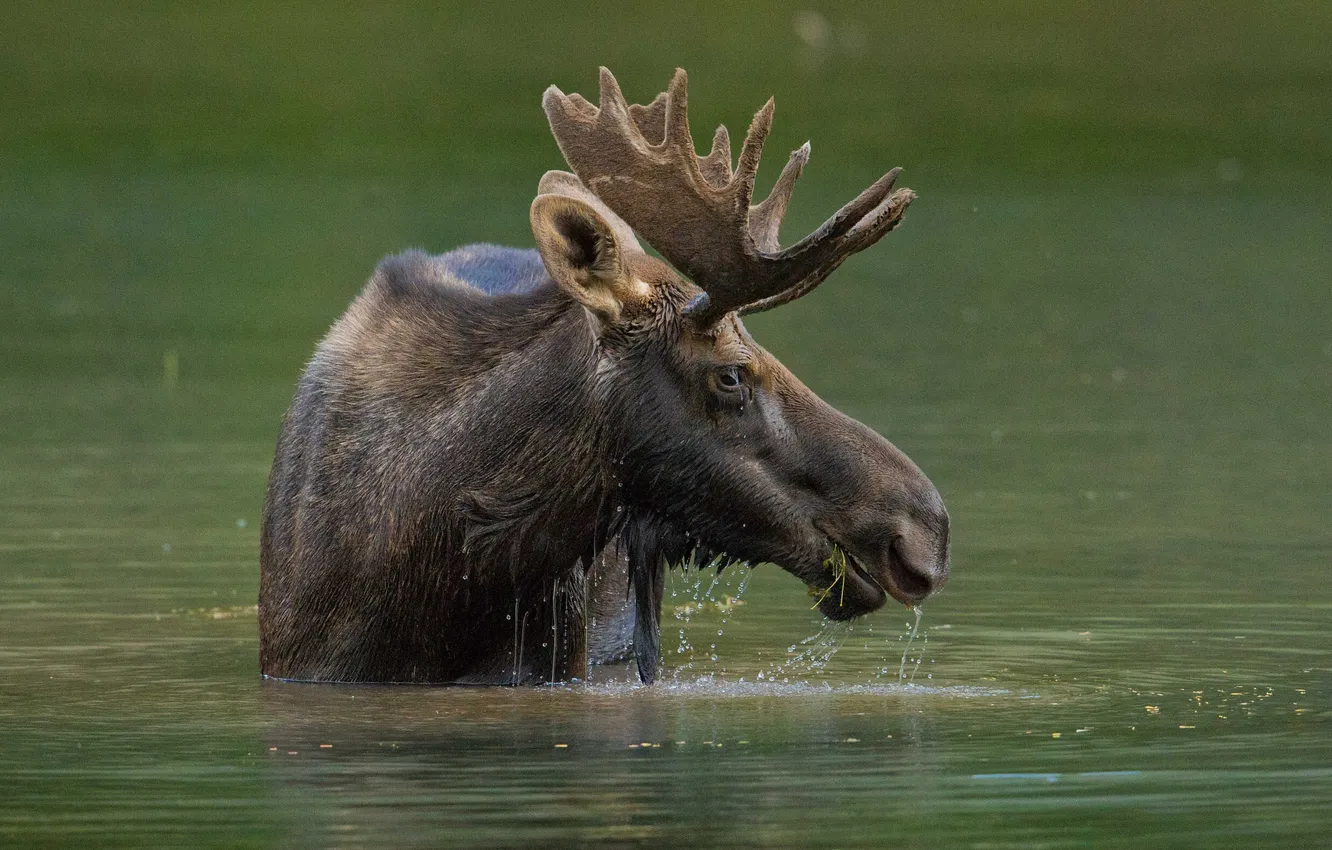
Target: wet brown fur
406,502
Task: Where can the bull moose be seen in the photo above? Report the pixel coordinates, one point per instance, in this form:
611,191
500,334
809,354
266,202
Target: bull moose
495,454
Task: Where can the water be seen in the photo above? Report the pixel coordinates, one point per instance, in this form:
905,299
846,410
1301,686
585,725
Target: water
1103,331
913,628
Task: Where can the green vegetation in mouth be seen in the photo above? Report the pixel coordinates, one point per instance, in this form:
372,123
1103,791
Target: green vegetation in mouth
836,567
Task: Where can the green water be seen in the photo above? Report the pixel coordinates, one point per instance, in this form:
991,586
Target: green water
1105,332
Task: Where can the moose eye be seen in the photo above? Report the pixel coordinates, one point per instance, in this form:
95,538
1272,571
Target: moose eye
728,378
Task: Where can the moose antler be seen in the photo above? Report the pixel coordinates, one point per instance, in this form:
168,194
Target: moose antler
641,161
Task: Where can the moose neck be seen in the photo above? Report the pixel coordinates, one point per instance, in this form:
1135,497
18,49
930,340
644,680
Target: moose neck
539,493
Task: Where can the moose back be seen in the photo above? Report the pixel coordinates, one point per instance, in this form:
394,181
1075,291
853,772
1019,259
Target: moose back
495,454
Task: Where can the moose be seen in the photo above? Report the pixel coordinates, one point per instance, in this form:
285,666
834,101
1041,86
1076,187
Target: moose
495,454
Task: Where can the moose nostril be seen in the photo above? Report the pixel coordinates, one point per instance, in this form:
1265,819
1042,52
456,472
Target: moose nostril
913,580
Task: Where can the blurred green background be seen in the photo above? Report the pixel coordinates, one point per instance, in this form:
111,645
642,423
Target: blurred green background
1103,331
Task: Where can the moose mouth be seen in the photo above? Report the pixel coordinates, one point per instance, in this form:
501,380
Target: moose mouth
855,591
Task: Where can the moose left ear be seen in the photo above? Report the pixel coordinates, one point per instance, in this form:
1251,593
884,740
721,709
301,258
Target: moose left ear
582,254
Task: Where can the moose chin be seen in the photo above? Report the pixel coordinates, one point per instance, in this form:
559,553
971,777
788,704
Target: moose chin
495,454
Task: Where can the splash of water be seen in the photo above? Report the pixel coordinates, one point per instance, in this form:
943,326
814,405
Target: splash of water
819,648
696,597
694,593
711,687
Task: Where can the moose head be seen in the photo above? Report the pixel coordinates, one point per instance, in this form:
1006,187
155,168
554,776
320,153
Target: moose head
490,439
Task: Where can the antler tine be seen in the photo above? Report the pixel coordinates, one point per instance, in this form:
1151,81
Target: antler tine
581,105
716,166
562,107
789,274
766,219
677,114
881,220
854,227
841,222
746,168
612,103
651,119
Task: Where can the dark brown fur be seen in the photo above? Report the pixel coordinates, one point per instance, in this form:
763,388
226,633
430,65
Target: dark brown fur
419,473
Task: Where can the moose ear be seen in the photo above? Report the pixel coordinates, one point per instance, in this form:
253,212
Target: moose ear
582,254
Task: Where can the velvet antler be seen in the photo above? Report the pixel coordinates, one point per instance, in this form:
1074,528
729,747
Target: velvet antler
641,161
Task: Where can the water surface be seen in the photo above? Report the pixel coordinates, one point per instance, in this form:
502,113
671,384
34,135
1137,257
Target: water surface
1103,332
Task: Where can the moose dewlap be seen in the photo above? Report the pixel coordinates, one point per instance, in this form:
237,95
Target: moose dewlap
495,454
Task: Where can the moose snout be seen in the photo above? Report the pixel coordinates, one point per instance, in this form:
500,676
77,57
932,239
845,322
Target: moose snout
917,560
905,548
887,516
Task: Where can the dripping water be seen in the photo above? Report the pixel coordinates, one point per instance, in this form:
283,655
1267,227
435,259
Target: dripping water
913,629
517,650
554,628
819,648
693,592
